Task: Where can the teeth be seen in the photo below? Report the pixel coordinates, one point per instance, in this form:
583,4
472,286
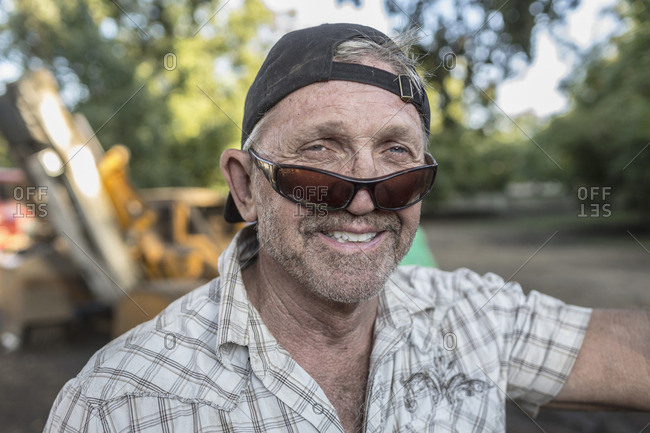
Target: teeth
351,237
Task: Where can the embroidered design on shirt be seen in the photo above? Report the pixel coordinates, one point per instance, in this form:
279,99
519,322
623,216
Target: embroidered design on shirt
435,382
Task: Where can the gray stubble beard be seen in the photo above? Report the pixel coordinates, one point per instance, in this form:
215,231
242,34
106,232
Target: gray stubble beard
330,275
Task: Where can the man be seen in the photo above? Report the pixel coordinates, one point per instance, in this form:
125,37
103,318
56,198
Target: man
311,326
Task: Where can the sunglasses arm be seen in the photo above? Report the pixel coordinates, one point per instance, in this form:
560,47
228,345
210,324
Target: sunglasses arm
268,169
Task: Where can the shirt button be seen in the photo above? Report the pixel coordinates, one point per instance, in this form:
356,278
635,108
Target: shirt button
317,408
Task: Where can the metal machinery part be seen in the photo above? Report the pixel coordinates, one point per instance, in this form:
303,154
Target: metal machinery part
111,245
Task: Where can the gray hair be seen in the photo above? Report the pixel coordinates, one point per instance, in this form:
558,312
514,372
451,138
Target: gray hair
397,55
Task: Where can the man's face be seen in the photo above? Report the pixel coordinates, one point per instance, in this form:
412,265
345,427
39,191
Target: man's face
353,129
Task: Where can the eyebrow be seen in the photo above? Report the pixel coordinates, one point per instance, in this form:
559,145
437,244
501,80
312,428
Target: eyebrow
333,128
329,127
410,134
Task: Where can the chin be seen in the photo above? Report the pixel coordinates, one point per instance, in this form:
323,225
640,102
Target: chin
346,280
346,292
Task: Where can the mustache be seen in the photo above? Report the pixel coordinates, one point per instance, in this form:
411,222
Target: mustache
380,221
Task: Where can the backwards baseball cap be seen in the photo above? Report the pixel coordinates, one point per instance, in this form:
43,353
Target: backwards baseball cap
304,57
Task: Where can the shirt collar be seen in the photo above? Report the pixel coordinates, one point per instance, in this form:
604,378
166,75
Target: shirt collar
239,323
234,309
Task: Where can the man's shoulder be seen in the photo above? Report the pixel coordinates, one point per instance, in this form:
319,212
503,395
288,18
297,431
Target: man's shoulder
173,355
434,288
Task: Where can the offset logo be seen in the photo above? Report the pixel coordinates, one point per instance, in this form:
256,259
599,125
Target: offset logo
593,202
25,196
310,197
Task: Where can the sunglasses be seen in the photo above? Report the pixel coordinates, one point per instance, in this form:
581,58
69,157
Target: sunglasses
312,186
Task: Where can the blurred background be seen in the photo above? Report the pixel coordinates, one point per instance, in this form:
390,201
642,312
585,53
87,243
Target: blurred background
540,125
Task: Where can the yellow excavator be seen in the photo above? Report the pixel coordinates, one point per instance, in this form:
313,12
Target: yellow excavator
100,241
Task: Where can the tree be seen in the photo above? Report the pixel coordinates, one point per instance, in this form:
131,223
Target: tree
164,78
469,46
604,141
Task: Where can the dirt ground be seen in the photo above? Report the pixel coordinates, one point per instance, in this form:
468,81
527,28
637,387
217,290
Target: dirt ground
594,267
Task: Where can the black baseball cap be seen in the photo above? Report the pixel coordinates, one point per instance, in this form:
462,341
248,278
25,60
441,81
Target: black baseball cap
304,57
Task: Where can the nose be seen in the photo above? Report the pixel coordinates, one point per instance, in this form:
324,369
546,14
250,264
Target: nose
361,203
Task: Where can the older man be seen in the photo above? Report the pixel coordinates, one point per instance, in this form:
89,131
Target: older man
311,325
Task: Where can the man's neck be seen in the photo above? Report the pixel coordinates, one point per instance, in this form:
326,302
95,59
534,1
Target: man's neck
303,321
331,341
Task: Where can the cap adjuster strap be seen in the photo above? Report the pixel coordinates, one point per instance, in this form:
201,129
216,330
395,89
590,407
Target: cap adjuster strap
400,85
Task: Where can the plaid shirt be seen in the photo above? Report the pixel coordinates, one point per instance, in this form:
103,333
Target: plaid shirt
448,346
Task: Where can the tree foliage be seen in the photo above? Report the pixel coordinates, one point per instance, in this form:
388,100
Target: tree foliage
467,47
604,141
473,162
162,77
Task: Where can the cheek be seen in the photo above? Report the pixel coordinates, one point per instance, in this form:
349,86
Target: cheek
266,199
410,218
273,209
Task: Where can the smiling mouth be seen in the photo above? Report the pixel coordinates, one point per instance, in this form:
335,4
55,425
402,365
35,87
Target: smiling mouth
343,237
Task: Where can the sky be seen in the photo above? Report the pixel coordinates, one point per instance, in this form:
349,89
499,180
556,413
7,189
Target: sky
538,81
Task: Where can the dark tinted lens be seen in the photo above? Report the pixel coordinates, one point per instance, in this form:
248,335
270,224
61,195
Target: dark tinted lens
304,185
405,189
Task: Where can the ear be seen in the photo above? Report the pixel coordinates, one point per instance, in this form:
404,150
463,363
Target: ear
235,166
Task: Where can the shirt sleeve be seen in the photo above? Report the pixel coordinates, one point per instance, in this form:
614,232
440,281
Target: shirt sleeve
71,413
546,339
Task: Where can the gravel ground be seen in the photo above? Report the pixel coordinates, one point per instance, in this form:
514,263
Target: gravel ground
603,270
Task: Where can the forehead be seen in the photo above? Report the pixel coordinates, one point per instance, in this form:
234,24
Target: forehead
350,109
